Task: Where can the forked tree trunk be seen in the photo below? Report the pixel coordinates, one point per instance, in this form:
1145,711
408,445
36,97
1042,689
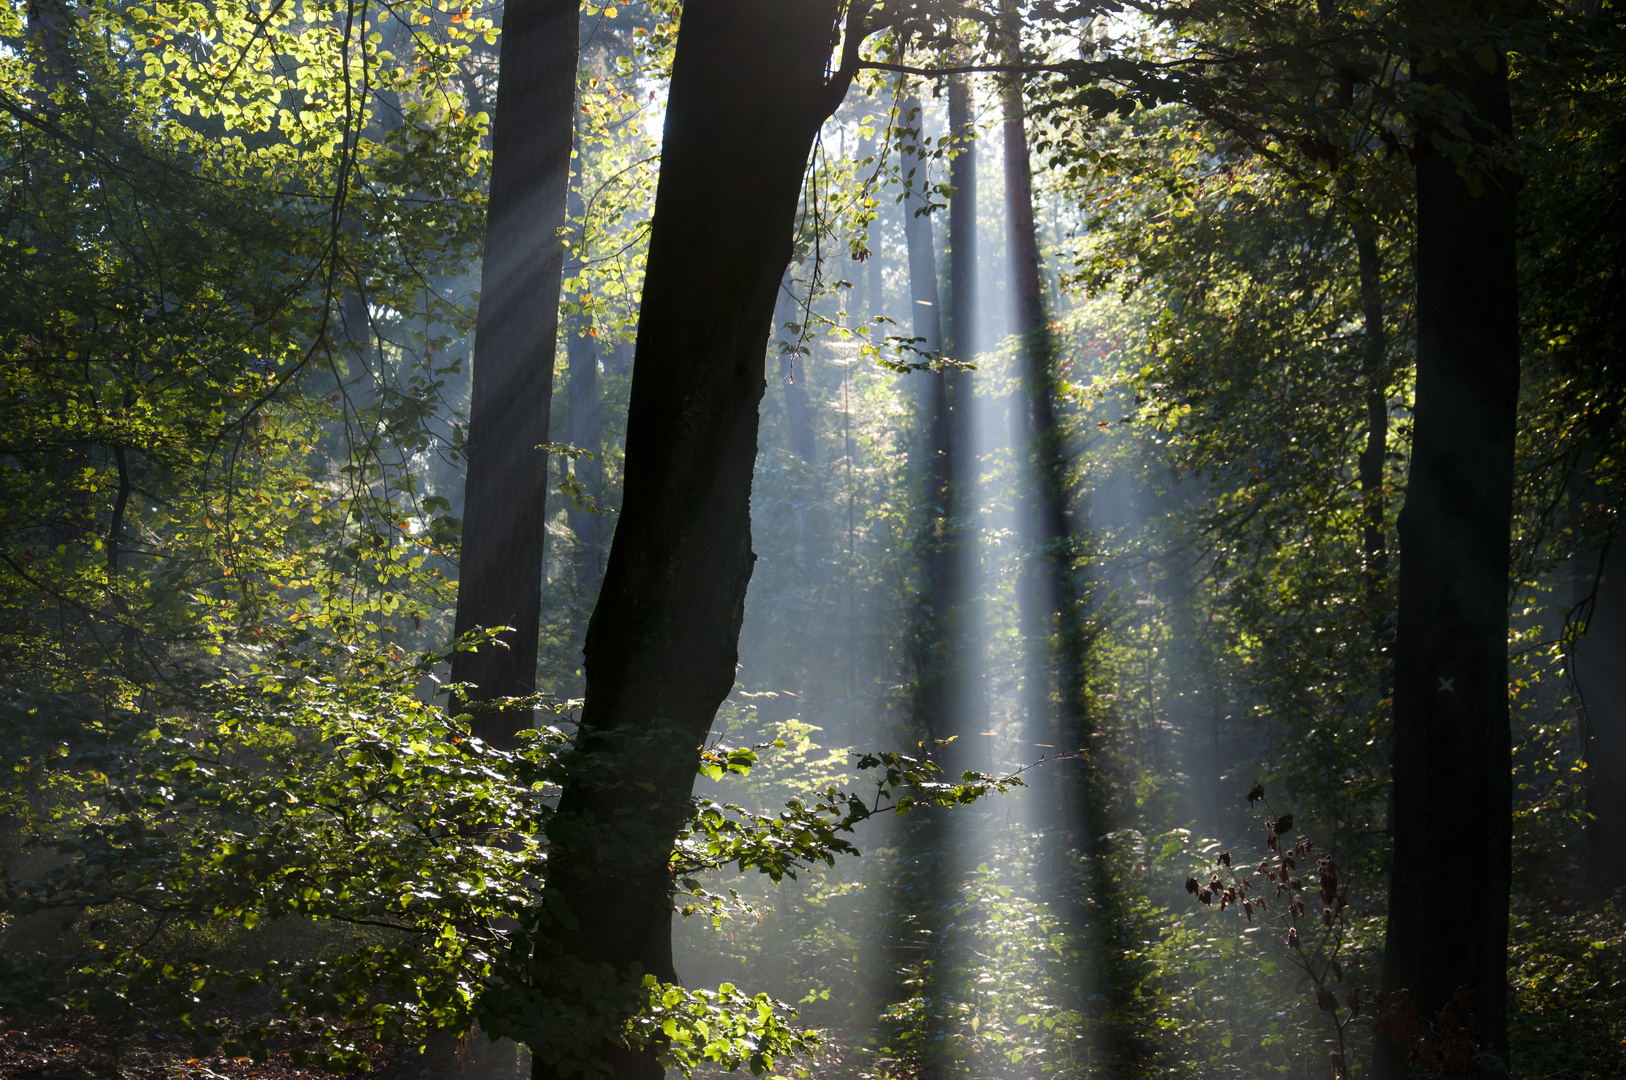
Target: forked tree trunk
504,502
748,95
1452,803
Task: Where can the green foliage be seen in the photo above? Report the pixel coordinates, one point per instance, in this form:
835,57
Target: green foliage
1566,973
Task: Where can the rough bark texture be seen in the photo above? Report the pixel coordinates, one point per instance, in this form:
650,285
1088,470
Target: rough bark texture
1452,803
747,97
504,503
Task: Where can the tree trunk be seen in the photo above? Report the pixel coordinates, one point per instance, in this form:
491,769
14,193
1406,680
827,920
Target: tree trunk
748,95
871,272
586,527
1452,803
928,332
516,332
962,221
785,353
917,231
953,579
1375,373
1108,994
1600,676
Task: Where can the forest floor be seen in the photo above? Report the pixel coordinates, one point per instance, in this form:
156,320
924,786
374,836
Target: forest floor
80,1050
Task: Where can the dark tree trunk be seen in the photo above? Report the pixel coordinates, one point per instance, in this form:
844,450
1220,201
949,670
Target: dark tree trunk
1600,676
1375,374
1034,423
747,97
1452,803
924,300
586,527
1098,913
516,332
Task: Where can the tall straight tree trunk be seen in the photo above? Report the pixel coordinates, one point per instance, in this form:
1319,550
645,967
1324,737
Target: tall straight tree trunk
924,299
1375,374
917,232
1035,423
516,331
930,896
1107,996
962,219
748,94
1600,675
1452,804
870,274
954,578
785,356
585,525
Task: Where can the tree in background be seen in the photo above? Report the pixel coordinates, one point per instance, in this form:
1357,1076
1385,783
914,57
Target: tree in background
505,494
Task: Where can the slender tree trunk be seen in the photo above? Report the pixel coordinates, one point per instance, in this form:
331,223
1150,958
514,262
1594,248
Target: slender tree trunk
748,95
959,471
785,356
1375,373
585,526
1452,804
876,270
918,233
962,220
516,332
1098,911
1036,432
871,272
1600,676
928,332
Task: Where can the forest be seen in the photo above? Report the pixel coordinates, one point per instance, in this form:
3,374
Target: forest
833,539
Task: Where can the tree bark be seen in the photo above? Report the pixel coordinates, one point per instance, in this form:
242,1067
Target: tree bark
1452,803
516,332
748,95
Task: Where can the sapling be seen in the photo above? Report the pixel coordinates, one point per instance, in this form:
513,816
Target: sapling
1275,888
1445,1044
